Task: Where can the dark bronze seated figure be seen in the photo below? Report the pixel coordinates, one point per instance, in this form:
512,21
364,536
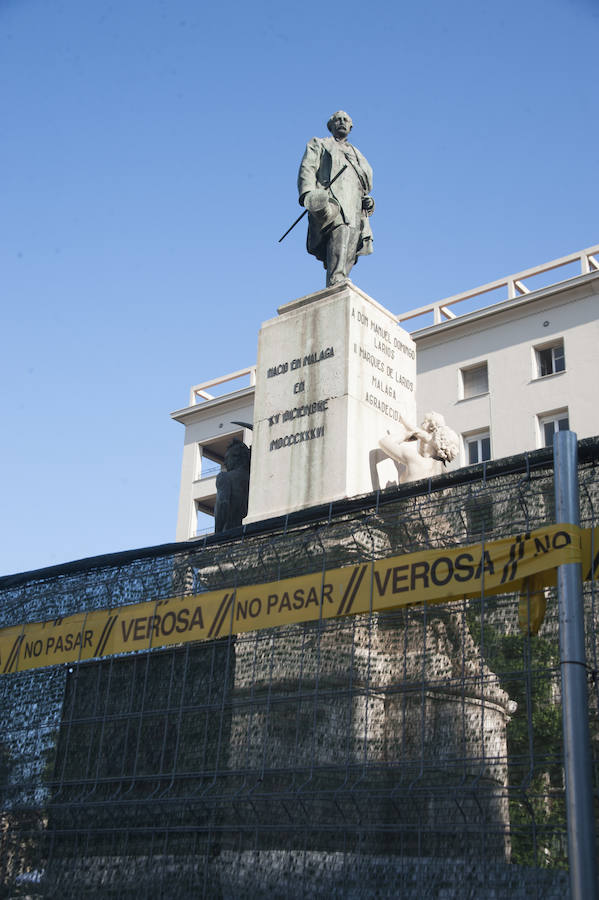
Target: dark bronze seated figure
232,487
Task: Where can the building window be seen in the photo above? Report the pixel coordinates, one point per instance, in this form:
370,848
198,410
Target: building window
475,381
478,447
548,425
550,359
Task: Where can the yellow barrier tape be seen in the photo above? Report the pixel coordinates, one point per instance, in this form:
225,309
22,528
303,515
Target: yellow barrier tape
430,576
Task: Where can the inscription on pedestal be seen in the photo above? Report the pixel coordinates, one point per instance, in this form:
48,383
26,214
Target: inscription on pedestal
302,410
383,355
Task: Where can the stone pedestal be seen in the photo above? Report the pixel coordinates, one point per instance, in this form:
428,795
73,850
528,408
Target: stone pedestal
334,374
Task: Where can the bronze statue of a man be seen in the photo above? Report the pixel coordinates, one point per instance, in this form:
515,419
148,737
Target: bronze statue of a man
337,199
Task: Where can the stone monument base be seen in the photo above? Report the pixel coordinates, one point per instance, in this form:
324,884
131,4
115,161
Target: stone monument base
335,373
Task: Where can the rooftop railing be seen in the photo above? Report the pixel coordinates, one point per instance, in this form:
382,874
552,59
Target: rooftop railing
441,309
587,260
199,392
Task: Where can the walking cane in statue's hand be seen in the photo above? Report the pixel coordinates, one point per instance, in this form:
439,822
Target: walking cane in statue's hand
299,218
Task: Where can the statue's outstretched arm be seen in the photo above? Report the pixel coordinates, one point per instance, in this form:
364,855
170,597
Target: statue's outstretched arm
394,444
413,431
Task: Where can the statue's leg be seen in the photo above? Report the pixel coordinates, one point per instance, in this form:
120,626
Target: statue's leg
341,253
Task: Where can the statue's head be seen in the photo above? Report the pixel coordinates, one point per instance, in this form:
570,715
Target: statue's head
340,124
445,444
432,421
237,456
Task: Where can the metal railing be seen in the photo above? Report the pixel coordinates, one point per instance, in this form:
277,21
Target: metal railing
209,471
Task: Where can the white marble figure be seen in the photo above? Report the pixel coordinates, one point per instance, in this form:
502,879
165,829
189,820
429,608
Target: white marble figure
424,452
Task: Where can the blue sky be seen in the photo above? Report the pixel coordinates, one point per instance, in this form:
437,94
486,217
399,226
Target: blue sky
149,153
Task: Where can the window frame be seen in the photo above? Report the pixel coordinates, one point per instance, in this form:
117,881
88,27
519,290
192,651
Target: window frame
476,437
538,349
556,416
462,386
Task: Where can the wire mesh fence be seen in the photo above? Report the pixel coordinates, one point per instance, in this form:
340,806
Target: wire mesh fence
412,753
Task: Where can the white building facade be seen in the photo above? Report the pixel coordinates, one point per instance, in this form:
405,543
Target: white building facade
505,376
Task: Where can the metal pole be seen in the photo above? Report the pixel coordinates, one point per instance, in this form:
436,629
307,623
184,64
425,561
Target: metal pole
575,711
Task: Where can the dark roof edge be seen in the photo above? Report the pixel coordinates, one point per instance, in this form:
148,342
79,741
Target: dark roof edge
588,450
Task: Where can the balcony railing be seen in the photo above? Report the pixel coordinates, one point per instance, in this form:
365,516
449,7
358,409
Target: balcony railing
209,471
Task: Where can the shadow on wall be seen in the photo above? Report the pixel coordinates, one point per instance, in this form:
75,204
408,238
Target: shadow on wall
390,472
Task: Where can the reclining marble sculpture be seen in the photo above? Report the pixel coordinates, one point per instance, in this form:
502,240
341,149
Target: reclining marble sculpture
423,452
